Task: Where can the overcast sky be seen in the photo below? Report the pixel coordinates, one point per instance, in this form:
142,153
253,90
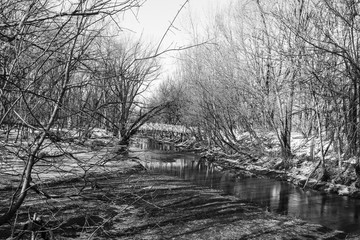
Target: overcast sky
154,17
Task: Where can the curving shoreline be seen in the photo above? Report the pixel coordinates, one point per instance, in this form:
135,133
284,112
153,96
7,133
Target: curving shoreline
294,175
136,204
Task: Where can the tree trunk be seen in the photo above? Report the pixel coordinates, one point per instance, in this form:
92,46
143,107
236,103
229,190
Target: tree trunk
285,143
357,171
124,141
352,134
312,148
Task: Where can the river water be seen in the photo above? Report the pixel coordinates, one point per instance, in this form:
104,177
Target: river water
333,211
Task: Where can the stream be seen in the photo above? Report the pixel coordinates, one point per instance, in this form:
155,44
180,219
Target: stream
330,210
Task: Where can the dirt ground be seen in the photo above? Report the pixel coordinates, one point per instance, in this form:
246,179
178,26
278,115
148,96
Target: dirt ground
92,193
135,204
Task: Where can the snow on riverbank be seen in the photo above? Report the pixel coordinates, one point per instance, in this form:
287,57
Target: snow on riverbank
300,168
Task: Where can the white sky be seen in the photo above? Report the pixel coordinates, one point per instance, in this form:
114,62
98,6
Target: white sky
154,17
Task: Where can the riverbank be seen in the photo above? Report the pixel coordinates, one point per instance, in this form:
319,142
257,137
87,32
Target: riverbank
104,195
298,176
300,169
135,204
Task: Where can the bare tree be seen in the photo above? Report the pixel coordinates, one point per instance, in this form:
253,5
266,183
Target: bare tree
44,44
124,73
173,93
331,36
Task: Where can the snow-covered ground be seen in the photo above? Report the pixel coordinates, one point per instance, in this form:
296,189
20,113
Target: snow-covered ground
60,160
307,153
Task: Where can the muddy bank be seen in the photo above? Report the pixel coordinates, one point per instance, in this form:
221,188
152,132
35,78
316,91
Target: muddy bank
141,205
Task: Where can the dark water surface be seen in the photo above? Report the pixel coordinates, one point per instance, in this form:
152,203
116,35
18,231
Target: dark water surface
333,211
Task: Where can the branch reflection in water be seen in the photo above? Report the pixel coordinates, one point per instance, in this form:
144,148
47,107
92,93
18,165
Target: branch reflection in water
332,211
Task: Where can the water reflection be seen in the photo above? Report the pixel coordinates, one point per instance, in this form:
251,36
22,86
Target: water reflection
329,210
147,143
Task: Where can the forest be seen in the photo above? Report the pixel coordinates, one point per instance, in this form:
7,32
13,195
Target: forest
271,73
257,77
